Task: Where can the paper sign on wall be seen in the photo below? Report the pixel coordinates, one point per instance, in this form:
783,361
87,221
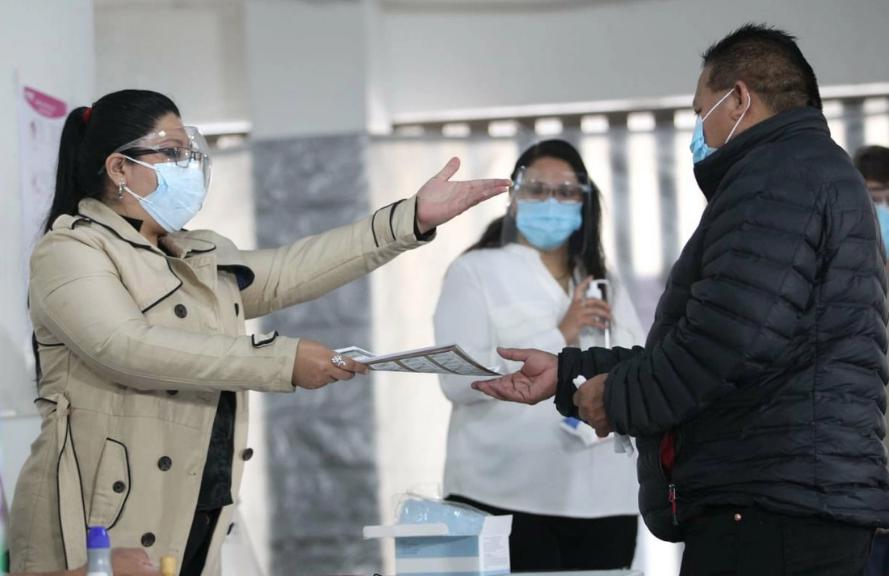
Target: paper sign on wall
41,118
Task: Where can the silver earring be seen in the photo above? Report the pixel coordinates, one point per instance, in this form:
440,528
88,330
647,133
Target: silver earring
120,188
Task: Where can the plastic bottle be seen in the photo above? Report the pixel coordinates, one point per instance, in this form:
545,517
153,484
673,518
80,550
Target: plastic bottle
98,552
594,292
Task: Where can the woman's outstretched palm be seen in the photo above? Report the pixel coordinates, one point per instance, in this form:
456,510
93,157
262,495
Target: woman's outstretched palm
440,199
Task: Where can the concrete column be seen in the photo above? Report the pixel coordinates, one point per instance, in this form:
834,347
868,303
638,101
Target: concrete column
307,75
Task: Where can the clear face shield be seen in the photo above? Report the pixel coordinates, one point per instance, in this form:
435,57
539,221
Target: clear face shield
185,147
563,192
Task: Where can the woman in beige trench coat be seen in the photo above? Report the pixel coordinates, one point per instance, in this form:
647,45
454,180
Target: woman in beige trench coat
139,335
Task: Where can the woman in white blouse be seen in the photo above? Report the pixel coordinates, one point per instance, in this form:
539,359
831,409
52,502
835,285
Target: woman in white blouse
523,285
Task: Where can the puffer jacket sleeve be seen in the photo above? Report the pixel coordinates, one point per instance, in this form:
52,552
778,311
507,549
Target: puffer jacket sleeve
313,266
574,362
77,294
757,274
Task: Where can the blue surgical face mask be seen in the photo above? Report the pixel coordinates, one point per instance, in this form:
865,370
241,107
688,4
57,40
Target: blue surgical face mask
699,147
883,218
179,195
547,225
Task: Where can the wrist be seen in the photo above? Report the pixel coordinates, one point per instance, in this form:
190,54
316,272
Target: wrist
570,333
422,231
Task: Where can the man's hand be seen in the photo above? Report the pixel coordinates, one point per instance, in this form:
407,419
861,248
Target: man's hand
536,380
590,402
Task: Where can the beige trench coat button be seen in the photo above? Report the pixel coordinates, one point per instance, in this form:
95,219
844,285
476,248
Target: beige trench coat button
180,310
148,540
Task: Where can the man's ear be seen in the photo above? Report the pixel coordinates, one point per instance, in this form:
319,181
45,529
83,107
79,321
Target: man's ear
741,99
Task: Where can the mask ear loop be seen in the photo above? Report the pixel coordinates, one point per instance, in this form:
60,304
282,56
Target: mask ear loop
715,106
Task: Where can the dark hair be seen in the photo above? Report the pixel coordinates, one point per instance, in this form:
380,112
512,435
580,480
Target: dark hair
873,163
589,256
769,62
90,135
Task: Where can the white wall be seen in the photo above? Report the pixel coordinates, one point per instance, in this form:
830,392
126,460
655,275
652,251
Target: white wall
306,67
297,68
192,51
47,44
438,59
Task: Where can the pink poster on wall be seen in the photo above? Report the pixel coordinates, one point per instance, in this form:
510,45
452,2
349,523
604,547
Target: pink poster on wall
41,118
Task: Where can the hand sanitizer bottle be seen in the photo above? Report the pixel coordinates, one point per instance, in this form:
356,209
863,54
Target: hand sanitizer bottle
98,552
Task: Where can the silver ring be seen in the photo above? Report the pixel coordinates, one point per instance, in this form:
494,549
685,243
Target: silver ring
338,361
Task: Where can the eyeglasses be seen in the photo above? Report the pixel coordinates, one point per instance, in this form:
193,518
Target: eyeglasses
571,190
540,192
185,146
182,157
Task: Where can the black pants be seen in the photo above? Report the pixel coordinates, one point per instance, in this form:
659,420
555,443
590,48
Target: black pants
199,537
753,542
878,565
540,543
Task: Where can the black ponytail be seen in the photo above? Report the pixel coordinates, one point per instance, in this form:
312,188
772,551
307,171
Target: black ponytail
91,134
67,192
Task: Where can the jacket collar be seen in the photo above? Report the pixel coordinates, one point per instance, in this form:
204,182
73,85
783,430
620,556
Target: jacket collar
180,244
97,211
710,171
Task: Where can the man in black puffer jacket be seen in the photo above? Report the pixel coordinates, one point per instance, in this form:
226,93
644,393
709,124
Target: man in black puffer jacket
757,401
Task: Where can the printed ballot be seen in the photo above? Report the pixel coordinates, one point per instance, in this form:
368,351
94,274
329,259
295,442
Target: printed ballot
433,360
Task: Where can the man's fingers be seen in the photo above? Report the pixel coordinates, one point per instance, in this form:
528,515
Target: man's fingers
488,388
517,354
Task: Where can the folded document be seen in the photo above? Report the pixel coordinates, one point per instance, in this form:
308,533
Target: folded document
433,360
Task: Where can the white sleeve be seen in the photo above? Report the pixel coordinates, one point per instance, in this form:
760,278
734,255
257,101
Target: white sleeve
627,330
462,318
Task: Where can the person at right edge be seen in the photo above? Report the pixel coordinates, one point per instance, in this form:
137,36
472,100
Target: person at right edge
873,163
758,399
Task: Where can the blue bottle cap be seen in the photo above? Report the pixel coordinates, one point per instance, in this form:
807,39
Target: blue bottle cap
97,537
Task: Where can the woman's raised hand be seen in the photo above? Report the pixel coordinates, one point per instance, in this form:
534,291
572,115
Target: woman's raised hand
584,312
440,199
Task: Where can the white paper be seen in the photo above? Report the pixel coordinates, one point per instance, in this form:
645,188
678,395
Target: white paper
432,360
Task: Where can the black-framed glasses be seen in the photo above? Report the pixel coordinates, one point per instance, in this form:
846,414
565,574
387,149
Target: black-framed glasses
180,155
